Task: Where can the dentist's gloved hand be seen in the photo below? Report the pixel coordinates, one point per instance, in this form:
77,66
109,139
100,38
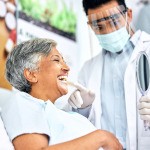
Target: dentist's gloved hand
144,108
81,98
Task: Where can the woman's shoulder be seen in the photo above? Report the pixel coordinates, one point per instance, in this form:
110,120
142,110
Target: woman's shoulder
25,113
21,105
21,100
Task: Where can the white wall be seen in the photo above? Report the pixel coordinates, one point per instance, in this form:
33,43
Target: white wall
136,7
87,41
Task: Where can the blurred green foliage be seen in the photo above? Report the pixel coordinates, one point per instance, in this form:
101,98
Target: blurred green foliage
47,11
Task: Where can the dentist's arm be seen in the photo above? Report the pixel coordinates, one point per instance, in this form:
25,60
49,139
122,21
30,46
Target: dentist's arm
144,108
82,97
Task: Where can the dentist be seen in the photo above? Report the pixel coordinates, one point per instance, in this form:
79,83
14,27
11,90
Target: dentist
111,75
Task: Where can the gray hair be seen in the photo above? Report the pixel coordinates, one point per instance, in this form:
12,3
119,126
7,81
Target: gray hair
26,55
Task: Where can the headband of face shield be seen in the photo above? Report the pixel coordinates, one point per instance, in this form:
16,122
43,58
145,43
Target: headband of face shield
110,28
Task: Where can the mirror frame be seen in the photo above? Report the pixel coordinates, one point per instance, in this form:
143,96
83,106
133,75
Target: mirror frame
137,75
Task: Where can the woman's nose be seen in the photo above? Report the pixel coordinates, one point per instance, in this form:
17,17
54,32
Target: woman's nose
65,67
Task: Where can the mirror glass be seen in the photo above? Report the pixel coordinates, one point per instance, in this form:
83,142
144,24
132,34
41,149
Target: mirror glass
143,73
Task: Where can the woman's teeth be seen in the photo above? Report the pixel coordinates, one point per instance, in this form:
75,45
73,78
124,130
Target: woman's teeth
62,78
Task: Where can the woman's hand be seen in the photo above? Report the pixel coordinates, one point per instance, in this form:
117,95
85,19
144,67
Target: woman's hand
110,141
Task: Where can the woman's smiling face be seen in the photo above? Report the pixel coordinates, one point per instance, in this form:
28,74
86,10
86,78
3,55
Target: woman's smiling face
52,76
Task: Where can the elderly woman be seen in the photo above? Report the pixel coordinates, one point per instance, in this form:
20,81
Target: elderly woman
38,71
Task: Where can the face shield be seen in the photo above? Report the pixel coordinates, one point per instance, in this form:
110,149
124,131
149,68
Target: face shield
110,27
108,21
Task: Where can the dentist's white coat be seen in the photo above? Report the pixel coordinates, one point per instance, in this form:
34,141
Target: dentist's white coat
90,77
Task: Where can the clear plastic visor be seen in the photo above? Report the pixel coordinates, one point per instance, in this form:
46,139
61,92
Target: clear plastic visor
108,21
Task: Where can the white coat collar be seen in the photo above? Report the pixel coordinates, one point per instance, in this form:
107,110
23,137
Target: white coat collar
143,36
139,39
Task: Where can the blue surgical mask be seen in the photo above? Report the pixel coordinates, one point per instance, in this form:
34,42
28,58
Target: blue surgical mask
115,41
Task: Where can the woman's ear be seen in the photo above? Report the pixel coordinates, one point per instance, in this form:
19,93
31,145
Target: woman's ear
31,76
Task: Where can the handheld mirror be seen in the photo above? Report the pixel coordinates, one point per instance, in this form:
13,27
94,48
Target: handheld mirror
143,78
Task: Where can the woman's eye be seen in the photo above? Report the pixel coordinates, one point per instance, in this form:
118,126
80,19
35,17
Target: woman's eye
57,60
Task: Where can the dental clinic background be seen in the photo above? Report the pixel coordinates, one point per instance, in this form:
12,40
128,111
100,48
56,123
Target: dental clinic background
61,20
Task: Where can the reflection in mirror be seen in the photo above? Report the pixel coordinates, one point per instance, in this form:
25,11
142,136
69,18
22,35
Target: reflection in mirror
143,78
143,73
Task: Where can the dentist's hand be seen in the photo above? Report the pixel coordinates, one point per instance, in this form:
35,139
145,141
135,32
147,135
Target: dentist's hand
82,97
144,108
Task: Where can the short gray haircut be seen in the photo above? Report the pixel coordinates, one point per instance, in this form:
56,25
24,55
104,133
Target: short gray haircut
26,55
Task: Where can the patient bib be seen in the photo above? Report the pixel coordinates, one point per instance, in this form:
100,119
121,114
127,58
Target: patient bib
66,126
